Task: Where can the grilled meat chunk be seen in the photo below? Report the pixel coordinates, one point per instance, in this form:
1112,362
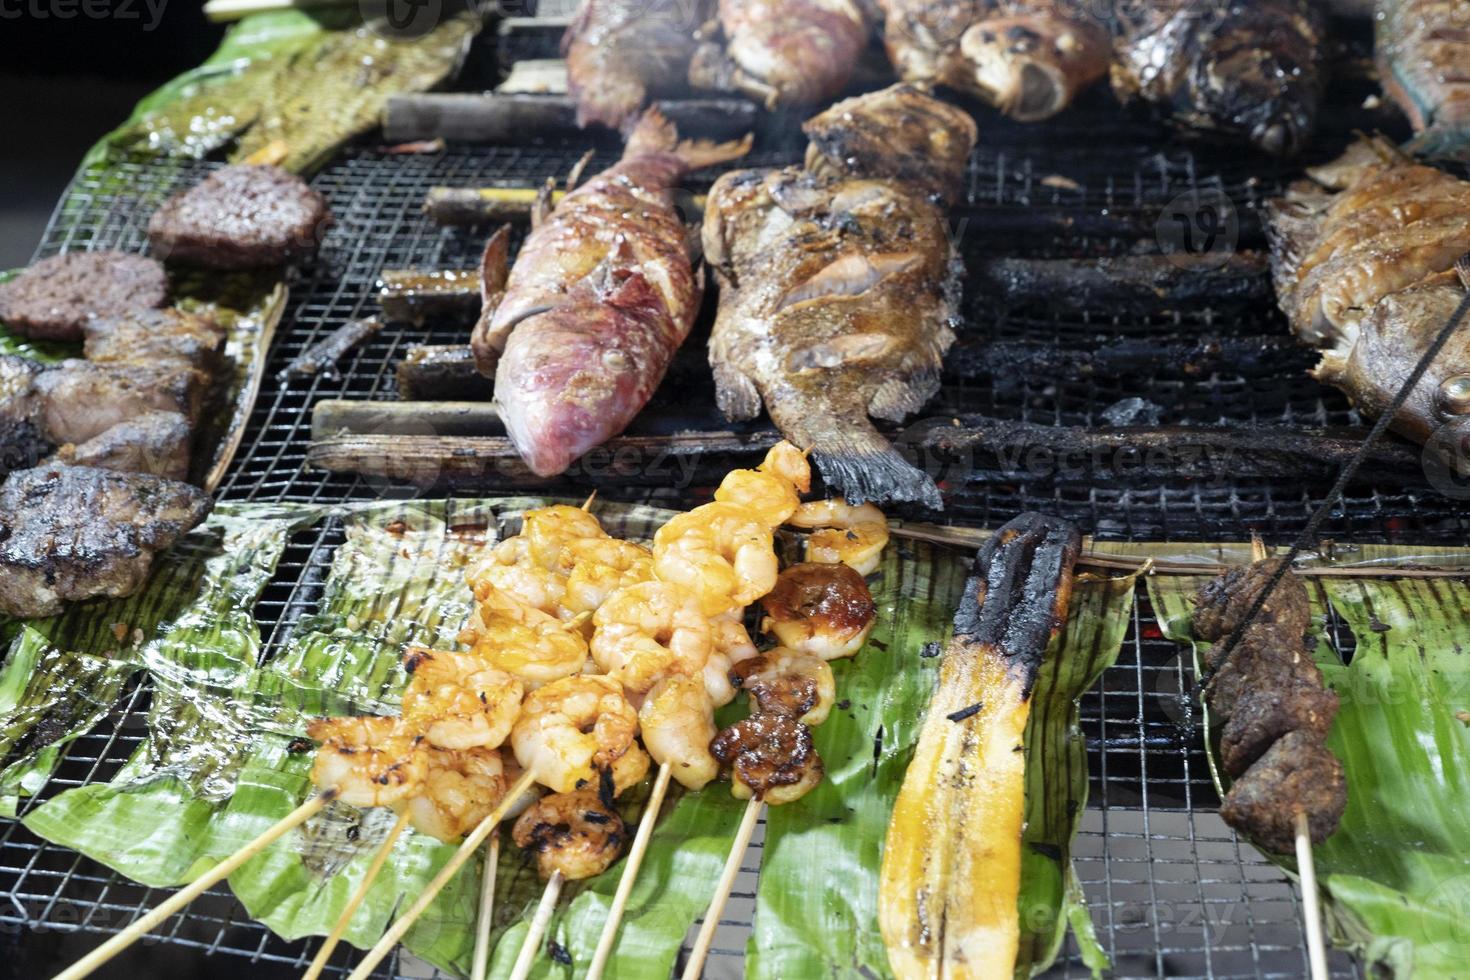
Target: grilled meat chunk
621,52
1262,715
240,217
22,443
81,400
1423,48
784,52
156,443
1223,602
73,532
156,337
1237,67
54,299
601,295
1269,655
1297,774
900,133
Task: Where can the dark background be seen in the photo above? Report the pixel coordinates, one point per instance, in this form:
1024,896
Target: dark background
66,81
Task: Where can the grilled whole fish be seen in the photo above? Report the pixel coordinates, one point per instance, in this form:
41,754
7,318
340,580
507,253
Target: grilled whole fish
602,294
1247,67
1365,268
784,52
621,52
1028,58
1423,53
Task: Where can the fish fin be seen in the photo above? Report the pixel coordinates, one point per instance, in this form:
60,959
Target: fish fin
575,177
735,393
898,398
482,345
495,265
654,133
1462,270
543,207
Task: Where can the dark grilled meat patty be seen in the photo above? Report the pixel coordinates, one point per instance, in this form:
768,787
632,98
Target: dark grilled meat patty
73,532
240,217
1226,600
54,299
1298,773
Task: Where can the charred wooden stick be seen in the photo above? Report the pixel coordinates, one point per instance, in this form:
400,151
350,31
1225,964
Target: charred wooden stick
336,416
441,371
414,297
953,853
322,357
1127,283
500,118
1009,363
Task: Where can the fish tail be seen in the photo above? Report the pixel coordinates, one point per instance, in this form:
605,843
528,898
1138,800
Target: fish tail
655,133
854,458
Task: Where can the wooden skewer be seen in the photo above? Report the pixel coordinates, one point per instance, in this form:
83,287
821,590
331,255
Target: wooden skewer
345,919
1306,869
697,955
184,896
630,872
591,497
542,919
451,868
486,915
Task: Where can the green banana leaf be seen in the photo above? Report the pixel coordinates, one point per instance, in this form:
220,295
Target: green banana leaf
1395,877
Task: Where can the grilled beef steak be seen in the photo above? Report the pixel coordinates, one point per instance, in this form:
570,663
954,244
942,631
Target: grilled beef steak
240,217
54,299
81,400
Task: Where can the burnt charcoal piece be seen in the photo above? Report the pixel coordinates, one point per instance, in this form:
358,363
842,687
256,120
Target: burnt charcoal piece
54,299
82,400
156,443
241,217
75,532
1264,714
1297,774
1224,601
156,337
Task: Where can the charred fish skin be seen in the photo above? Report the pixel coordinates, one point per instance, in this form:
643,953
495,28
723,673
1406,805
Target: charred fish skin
619,53
601,295
784,52
1237,67
1423,53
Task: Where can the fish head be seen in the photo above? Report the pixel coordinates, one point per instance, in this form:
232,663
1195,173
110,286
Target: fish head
1266,95
1030,66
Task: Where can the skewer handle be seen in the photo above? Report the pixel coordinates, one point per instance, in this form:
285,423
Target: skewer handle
532,944
630,872
184,896
345,919
1311,907
466,850
700,952
486,917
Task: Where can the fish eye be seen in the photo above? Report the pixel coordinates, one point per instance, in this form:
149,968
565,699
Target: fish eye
1453,397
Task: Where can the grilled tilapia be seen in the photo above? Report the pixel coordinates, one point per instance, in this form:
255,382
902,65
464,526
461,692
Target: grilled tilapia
1423,52
621,52
838,296
602,294
73,532
1028,58
1365,269
783,52
1248,68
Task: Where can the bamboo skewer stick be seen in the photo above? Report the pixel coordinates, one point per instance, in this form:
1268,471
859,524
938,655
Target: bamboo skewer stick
102,954
345,919
451,868
486,916
527,956
1311,911
700,952
630,872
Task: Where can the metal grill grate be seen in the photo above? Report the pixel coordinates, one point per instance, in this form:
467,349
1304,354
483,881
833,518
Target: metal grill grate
1173,893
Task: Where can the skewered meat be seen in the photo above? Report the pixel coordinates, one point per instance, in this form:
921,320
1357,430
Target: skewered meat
1028,58
81,400
1262,715
1296,774
240,217
1367,274
156,443
74,532
1248,68
1423,48
54,299
784,52
621,52
900,133
1225,601
602,294
1269,655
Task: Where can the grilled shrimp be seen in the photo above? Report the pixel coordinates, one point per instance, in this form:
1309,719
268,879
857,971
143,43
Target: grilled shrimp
573,729
460,789
730,644
525,642
598,567
678,723
459,702
548,530
647,632
854,536
785,682
722,552
575,833
509,568
821,609
772,489
368,761
771,757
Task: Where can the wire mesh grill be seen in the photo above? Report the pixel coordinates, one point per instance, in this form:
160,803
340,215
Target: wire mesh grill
1172,892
